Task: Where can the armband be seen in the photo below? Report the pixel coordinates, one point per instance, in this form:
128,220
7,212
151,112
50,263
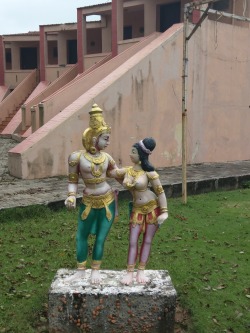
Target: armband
152,177
163,210
73,194
74,158
158,189
73,178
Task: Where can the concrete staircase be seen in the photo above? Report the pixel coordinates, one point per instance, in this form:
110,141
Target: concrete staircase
7,119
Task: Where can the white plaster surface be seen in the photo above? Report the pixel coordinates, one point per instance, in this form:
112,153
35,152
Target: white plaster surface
160,282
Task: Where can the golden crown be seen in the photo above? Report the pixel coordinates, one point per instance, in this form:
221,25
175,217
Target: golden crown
97,126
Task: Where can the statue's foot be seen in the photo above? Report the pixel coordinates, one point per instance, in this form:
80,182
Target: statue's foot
141,278
127,279
95,276
79,274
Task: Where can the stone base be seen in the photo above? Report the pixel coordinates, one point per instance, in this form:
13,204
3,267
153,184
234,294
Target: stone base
79,306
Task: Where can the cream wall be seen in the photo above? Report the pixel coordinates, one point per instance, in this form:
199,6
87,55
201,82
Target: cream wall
143,98
219,85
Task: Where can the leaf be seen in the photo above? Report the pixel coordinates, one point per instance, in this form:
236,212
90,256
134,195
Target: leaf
221,286
176,238
216,321
208,288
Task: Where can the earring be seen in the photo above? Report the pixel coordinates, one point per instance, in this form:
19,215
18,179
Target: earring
92,150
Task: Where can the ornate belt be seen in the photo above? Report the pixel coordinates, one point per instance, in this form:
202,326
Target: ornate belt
146,208
97,201
94,180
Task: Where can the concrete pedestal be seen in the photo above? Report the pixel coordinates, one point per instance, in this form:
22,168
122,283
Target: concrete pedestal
79,306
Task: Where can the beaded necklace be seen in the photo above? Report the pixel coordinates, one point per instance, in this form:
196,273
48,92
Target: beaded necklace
96,163
135,173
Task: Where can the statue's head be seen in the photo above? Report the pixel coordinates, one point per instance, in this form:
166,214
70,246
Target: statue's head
97,127
145,148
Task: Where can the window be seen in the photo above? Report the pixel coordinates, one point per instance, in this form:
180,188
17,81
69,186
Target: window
221,5
127,32
8,60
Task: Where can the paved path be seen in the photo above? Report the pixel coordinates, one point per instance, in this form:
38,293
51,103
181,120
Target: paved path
201,178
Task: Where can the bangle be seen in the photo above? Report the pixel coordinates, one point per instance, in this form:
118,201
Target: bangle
164,210
73,194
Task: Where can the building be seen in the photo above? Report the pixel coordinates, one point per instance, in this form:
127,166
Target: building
129,59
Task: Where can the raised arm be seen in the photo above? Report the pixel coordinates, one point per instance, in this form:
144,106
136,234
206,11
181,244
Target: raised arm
113,170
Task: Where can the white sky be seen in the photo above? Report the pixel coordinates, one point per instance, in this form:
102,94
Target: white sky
20,16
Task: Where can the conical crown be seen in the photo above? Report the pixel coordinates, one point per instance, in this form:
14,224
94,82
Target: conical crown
97,126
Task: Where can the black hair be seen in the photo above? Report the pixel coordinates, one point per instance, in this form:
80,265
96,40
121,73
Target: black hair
150,144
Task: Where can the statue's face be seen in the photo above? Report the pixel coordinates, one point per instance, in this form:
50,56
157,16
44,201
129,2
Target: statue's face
103,141
134,156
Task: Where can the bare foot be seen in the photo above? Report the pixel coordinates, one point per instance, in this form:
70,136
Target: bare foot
141,278
79,274
127,279
95,276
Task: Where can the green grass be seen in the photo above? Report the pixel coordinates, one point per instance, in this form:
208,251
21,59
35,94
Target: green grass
204,245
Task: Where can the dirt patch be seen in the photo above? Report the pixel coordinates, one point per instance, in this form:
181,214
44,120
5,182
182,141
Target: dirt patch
182,320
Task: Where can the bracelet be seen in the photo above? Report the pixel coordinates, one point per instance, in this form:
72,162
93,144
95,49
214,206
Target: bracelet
72,194
164,210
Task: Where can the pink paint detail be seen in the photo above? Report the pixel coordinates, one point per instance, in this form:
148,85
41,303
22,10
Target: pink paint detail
1,62
42,54
196,16
27,133
3,91
114,28
80,56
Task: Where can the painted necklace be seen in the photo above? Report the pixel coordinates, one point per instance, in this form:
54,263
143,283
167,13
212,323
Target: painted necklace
96,163
135,173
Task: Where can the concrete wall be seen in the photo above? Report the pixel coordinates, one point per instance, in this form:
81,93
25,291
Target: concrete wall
219,85
143,98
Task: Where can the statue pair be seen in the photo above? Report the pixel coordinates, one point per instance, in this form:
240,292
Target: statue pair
98,208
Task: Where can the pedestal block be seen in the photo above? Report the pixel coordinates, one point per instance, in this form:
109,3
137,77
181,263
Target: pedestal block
79,306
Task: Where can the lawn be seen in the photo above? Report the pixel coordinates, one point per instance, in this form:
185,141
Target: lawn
204,245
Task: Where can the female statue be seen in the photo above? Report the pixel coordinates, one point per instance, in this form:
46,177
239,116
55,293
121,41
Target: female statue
149,208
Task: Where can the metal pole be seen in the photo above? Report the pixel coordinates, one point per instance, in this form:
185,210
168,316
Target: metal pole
184,107
233,16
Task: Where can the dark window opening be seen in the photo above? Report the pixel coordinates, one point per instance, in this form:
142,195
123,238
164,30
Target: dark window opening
169,15
127,32
52,52
72,51
55,52
221,5
8,59
28,58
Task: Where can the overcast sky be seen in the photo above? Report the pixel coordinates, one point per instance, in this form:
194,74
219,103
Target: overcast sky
19,16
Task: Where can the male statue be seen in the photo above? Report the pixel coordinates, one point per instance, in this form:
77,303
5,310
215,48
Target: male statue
98,207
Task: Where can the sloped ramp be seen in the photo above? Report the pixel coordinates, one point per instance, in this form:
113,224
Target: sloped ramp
16,120
20,122
45,152
4,91
62,98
